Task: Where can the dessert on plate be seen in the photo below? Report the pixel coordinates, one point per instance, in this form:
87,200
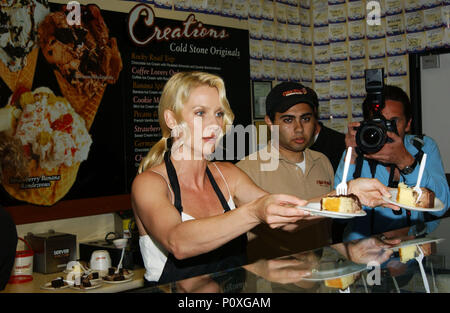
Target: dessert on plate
84,57
82,282
51,138
113,276
342,204
410,252
408,196
341,282
58,282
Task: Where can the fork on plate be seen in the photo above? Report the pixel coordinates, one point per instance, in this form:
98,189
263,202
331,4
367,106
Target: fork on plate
419,260
422,167
342,188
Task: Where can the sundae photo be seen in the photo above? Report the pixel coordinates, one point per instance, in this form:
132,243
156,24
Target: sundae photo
52,139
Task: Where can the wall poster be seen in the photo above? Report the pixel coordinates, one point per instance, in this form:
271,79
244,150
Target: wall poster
78,100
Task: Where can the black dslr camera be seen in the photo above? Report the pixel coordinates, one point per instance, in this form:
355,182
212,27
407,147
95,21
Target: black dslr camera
371,134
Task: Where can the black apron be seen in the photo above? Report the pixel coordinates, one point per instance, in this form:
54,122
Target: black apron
232,254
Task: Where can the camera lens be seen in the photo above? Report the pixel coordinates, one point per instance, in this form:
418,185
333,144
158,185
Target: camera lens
372,136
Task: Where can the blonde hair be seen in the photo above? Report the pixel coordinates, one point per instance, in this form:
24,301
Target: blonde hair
175,93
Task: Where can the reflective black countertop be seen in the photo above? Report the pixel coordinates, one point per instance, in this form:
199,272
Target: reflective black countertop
370,265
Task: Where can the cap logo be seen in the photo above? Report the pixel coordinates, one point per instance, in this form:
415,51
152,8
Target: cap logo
294,92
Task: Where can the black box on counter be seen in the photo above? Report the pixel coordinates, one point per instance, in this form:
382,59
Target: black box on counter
52,251
131,255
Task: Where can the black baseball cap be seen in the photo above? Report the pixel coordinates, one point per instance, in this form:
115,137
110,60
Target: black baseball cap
287,94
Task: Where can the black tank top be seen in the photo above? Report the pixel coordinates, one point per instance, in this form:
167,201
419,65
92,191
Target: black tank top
230,255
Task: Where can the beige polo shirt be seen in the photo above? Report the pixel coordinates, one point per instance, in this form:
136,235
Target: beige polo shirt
287,177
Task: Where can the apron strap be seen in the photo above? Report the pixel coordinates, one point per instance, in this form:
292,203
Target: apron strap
173,179
219,193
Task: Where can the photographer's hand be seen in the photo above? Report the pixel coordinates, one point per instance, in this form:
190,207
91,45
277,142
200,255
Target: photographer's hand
350,139
393,153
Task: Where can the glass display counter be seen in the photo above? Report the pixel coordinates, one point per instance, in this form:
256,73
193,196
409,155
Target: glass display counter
409,260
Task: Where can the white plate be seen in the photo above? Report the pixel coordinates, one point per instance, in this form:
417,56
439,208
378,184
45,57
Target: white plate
438,205
335,270
88,273
48,286
94,284
130,273
314,208
117,281
419,241
128,277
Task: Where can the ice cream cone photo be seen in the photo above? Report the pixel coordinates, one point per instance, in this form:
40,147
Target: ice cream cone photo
23,77
51,138
18,42
85,105
85,58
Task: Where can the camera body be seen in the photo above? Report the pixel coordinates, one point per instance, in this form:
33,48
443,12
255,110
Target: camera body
371,135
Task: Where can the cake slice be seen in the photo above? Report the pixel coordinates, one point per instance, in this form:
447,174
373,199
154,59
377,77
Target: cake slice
410,252
407,253
343,204
429,248
58,282
408,196
341,282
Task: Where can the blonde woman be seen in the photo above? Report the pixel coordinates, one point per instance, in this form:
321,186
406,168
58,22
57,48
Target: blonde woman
193,214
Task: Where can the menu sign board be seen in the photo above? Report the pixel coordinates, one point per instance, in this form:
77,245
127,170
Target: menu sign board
78,103
164,47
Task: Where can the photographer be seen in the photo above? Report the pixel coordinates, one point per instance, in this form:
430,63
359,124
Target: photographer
396,161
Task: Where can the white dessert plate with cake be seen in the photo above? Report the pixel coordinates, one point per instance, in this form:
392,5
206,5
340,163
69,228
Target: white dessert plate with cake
407,199
118,278
48,286
93,285
335,270
315,209
126,280
418,241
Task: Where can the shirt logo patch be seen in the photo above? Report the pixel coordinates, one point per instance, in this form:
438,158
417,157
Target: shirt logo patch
295,92
323,183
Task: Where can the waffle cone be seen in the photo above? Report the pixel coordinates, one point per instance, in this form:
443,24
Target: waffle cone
45,195
24,77
85,105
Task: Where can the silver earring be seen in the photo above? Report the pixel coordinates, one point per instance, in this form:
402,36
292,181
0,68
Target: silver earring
175,132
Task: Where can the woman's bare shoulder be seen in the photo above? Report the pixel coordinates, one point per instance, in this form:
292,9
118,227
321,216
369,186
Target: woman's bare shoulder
227,168
231,172
154,178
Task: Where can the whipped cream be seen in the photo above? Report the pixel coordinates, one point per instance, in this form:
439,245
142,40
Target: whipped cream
18,31
50,129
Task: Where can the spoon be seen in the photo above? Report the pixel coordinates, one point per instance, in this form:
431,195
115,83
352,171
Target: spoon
120,243
120,263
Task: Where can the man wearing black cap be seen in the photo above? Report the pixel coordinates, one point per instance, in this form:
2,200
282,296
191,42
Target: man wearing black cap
302,172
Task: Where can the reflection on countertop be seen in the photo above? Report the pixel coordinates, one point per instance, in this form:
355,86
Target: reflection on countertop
385,263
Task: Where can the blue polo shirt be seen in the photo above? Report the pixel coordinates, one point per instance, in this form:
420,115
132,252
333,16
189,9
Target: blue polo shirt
383,218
